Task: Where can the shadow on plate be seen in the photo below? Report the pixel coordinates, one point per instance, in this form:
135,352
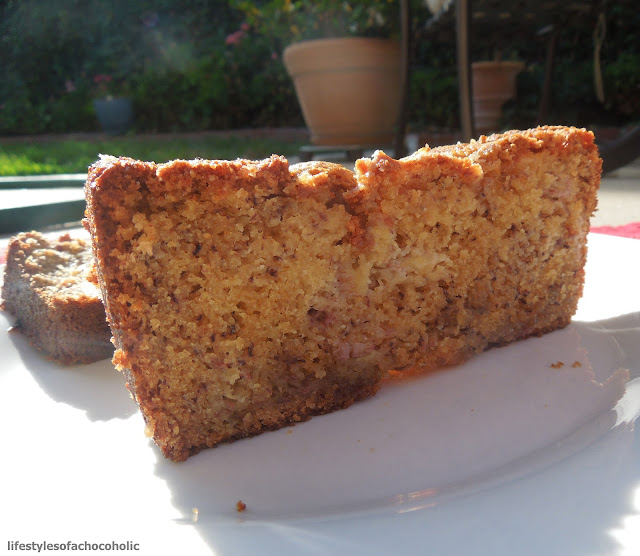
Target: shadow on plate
536,436
97,388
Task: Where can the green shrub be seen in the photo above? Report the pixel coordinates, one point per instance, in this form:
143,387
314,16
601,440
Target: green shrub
433,98
622,84
171,57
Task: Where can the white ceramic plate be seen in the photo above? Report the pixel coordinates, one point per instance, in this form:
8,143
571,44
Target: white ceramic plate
528,449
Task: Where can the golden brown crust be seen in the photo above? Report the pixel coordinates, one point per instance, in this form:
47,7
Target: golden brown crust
247,295
45,287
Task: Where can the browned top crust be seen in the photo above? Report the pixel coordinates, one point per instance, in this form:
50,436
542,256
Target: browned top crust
209,179
56,269
46,288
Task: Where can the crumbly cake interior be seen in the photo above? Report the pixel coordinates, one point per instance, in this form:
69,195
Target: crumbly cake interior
45,286
248,295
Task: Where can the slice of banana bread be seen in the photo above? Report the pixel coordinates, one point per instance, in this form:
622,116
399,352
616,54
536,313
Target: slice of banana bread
46,289
244,296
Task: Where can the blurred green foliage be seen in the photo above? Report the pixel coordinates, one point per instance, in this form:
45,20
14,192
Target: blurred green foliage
198,65
173,58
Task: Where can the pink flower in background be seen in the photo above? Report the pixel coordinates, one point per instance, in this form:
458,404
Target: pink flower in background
235,37
101,78
102,84
69,86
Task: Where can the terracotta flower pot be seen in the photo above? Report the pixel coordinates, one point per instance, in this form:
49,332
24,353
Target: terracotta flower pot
493,83
349,89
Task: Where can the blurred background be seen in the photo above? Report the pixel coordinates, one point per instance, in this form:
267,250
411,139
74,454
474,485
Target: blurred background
198,65
167,79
